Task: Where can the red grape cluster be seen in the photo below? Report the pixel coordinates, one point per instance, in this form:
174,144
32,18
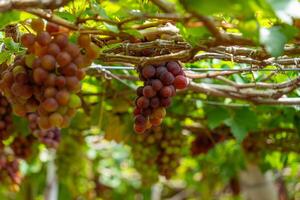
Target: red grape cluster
5,118
160,84
21,146
170,153
9,167
204,142
49,137
47,79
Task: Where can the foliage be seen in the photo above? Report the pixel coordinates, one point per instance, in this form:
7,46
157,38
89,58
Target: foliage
247,116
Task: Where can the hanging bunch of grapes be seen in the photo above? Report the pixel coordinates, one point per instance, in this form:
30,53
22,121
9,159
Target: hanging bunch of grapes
145,152
9,168
47,79
160,84
204,142
171,146
5,118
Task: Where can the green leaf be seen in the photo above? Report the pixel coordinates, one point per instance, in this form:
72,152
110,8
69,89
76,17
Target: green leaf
286,10
4,56
273,39
8,18
112,28
193,35
216,115
243,120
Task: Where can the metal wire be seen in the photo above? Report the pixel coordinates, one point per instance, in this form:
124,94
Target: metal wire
204,69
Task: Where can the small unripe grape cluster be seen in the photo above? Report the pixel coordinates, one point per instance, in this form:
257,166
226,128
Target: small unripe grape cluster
47,79
160,84
157,152
170,153
49,137
145,151
6,125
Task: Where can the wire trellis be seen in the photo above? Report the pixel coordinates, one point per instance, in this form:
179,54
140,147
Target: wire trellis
205,69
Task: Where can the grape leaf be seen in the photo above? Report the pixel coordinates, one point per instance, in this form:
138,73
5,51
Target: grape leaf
216,115
242,121
273,39
8,17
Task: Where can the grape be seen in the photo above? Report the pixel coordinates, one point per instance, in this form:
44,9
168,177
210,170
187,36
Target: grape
48,62
173,90
137,111
166,91
180,82
140,120
74,101
72,50
139,129
146,111
63,59
44,123
166,102
84,40
80,74
154,102
174,68
167,78
29,59
142,102
139,91
72,82
52,28
39,75
63,97
36,63
159,112
148,91
28,39
50,92
70,70
148,71
50,81
156,84
159,71
43,38
50,105
37,25
53,49
56,119
60,81
155,121
61,40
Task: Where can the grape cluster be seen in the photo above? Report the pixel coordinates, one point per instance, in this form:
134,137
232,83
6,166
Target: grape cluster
49,137
9,167
145,152
157,152
47,79
160,84
5,118
21,146
170,153
204,142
